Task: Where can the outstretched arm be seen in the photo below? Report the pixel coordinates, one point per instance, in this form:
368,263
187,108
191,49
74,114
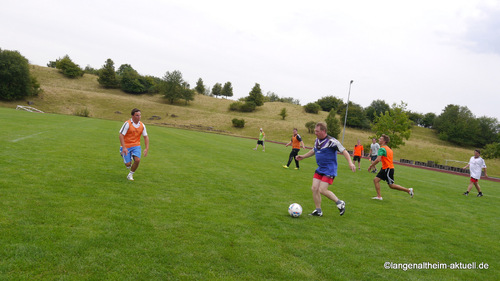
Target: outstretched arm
348,158
304,156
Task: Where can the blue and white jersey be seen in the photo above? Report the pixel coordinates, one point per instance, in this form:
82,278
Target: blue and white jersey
326,155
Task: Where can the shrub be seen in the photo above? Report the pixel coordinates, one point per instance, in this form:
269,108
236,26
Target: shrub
310,126
248,106
312,107
235,106
69,68
238,123
83,112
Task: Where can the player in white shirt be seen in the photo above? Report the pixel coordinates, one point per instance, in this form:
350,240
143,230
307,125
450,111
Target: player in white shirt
476,166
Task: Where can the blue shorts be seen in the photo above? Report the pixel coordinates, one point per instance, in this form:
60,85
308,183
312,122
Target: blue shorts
132,151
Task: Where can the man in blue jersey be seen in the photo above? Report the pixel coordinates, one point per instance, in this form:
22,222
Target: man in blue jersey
325,149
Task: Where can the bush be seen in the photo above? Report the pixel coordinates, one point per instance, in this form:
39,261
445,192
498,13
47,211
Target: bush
310,127
333,124
235,106
238,123
312,107
83,112
69,68
248,106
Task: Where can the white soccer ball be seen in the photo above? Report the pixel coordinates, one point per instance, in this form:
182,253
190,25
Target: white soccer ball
295,210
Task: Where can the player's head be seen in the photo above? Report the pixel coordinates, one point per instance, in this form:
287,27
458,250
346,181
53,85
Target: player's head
136,115
477,153
374,140
320,130
384,138
295,131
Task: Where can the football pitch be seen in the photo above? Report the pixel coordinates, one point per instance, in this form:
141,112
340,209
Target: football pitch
208,207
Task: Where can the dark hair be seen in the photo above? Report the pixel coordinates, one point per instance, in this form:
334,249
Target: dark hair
134,111
478,151
321,125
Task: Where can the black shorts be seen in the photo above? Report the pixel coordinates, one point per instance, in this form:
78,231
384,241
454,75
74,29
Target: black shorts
357,158
374,157
386,175
260,142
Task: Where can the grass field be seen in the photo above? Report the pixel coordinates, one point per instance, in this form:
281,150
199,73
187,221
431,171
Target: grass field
209,207
69,96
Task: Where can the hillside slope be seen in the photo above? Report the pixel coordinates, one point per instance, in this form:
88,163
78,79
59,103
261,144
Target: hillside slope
68,96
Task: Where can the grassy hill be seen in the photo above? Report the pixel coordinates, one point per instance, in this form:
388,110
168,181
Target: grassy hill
69,96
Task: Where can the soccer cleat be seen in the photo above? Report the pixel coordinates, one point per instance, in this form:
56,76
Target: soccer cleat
341,207
411,192
296,168
480,194
285,166
377,198
130,177
466,193
316,213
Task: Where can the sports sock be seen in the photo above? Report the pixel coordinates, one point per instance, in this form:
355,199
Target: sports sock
318,210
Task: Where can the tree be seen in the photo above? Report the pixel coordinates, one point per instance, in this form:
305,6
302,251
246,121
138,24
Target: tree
312,107
491,151
416,117
376,108
356,116
68,68
394,123
200,87
333,124
488,131
217,90
283,113
186,93
428,120
15,79
130,80
173,86
227,90
329,102
458,125
256,95
107,75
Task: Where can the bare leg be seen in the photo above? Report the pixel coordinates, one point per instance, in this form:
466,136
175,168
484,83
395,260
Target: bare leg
376,181
399,187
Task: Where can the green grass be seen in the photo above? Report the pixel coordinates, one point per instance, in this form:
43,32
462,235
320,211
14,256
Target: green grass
205,206
72,96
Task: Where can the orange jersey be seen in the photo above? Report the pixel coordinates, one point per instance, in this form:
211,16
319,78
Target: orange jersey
386,154
296,141
357,150
133,136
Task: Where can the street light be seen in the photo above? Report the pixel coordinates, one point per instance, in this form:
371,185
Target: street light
346,109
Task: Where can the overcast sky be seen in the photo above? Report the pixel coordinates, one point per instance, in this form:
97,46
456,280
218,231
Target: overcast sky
427,53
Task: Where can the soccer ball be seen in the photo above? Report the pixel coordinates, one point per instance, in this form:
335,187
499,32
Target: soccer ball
295,210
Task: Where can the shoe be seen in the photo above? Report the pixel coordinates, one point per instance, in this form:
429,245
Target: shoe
255,149
377,198
316,213
341,207
296,168
466,193
130,177
411,192
480,194
285,166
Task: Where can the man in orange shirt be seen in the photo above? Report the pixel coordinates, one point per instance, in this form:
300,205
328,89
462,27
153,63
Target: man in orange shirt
130,140
387,172
358,153
296,143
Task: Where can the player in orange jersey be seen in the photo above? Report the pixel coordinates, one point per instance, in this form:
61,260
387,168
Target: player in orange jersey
130,140
296,143
387,172
358,153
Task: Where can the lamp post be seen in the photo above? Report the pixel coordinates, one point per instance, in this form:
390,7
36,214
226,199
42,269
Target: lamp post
346,109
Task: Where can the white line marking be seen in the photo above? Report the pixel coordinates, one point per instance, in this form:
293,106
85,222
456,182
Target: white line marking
27,137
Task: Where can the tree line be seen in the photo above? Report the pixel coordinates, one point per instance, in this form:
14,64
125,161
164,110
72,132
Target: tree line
456,124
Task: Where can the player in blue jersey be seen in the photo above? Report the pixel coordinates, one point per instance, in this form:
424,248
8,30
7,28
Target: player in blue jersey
325,149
